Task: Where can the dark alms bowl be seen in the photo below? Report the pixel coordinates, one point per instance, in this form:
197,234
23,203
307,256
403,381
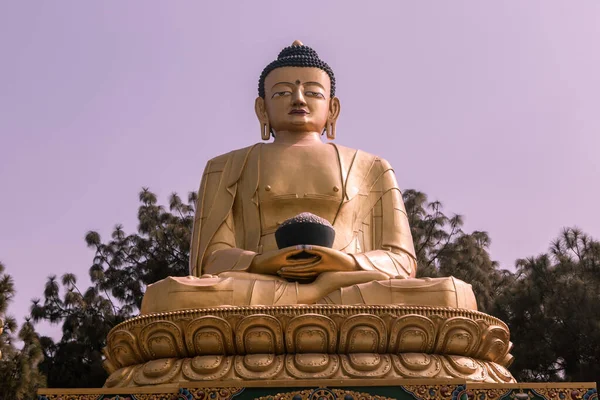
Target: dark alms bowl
305,228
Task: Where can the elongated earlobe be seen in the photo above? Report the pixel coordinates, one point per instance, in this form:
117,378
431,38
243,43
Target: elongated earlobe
265,130
330,130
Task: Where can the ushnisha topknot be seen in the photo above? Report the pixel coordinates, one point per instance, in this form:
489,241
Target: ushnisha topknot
296,55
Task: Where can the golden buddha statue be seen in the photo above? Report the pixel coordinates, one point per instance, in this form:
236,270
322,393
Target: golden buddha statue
246,194
251,311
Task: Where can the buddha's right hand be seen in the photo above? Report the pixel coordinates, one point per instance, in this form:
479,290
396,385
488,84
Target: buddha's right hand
270,262
327,282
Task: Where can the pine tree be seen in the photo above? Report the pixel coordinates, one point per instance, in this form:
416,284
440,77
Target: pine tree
444,249
19,374
121,269
551,307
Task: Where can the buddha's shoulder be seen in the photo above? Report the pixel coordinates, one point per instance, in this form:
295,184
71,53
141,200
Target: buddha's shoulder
217,164
233,153
363,157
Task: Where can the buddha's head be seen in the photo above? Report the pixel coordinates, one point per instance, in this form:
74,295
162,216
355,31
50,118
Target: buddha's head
296,93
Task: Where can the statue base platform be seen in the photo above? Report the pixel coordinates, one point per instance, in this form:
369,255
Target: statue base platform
341,390
321,343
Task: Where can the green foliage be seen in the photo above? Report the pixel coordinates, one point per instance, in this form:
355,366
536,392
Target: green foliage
19,375
76,360
443,249
551,307
127,263
550,304
122,268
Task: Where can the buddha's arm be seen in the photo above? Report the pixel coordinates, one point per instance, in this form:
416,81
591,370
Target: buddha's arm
222,253
213,246
388,242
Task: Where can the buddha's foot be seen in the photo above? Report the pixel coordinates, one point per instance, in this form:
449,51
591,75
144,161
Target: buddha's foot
318,342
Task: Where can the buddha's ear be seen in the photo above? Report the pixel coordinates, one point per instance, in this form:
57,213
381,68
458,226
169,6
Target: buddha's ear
263,118
261,110
334,113
334,109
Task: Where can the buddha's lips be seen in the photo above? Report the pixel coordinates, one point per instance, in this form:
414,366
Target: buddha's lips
298,112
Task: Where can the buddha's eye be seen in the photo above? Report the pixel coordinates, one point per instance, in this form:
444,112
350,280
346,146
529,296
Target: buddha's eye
281,94
314,94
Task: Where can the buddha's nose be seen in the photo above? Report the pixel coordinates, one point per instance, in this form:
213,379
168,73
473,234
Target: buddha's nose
298,98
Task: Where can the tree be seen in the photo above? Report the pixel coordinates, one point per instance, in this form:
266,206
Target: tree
551,307
76,360
444,249
19,375
128,263
120,271
8,325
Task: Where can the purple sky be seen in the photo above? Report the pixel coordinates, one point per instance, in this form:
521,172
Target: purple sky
491,108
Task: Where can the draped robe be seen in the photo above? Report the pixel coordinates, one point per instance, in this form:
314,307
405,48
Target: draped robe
371,224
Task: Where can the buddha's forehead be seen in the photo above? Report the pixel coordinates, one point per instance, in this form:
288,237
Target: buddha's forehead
297,74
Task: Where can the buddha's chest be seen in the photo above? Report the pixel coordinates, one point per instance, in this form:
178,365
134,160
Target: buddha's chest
299,172
298,180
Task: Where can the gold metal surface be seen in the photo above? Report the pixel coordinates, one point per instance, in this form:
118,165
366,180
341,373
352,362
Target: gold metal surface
241,289
299,383
326,369
319,342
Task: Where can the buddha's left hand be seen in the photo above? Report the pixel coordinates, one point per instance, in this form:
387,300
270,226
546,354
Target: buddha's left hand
329,260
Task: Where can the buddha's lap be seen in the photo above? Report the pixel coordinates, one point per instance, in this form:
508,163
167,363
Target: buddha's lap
243,289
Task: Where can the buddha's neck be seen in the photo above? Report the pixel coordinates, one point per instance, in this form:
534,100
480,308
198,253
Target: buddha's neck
297,139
